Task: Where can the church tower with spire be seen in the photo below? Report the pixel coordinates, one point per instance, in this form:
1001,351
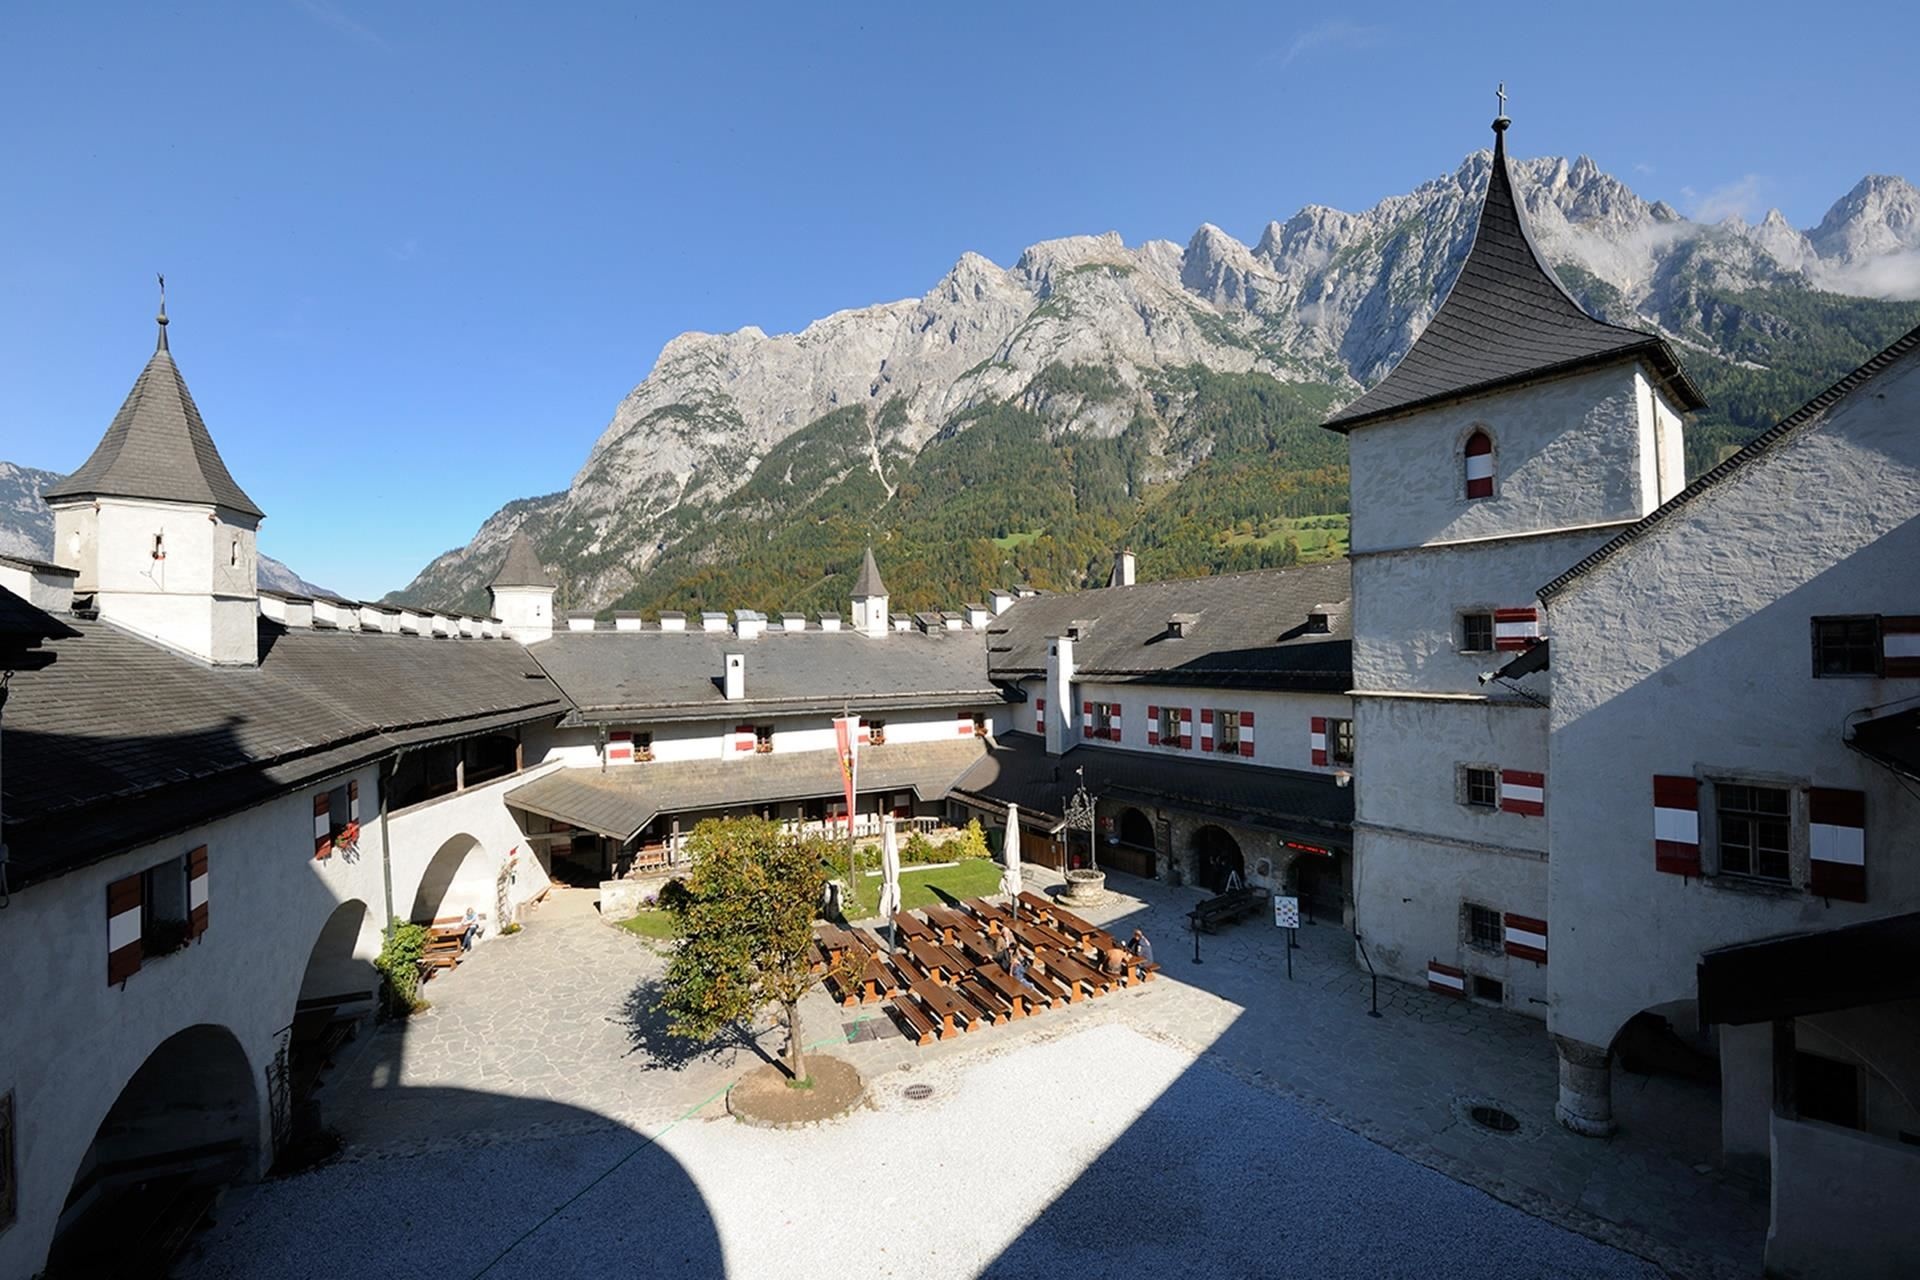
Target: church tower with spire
161,535
871,615
1517,435
522,592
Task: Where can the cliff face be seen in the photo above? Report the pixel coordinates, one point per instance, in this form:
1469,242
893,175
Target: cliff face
1082,332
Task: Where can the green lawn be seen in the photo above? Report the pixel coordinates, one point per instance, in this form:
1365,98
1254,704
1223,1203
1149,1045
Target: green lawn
976,878
654,924
1018,538
1319,537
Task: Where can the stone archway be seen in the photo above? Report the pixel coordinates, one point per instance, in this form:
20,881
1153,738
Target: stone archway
1216,858
340,966
185,1124
1136,829
461,877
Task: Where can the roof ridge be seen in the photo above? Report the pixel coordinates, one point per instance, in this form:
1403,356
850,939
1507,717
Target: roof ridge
1805,417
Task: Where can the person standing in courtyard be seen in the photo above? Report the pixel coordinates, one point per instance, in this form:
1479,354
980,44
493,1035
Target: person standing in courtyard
1142,947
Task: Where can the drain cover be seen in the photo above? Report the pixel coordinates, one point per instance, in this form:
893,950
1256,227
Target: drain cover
919,1092
1495,1119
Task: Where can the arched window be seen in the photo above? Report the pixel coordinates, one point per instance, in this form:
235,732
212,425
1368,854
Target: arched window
1479,457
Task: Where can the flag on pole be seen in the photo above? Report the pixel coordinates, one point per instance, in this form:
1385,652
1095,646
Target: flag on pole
846,739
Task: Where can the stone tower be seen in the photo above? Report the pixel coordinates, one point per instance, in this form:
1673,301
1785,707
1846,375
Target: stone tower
161,535
1517,435
522,592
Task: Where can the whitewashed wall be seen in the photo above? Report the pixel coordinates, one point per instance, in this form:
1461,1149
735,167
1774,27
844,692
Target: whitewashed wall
1282,722
578,748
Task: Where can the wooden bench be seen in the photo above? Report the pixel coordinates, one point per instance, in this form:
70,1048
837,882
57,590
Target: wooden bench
1226,908
1016,997
1042,908
948,1013
919,1027
1074,973
934,961
986,910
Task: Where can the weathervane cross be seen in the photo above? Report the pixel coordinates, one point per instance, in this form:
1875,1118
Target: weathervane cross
1501,93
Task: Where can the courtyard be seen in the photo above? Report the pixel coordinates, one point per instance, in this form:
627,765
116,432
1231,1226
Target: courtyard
1220,1119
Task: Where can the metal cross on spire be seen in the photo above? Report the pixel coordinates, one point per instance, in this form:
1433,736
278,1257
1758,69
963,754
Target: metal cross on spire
1501,93
162,317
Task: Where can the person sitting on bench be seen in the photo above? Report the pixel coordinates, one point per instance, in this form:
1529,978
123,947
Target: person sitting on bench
1142,947
1115,961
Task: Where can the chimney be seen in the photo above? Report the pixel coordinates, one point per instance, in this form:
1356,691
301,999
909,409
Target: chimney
673,620
977,616
1062,711
829,622
446,625
1122,570
952,621
626,620
903,622
713,620
734,679
413,622
791,621
42,585
749,624
379,617
341,615
1001,599
469,627
580,620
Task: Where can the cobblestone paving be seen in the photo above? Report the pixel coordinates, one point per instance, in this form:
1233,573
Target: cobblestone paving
560,1014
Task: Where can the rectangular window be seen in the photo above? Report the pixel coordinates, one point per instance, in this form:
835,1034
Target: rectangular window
1846,647
1340,740
1484,929
163,907
876,733
1169,726
1491,990
1226,732
1479,787
643,746
1755,826
1103,719
1476,632
1826,1089
763,738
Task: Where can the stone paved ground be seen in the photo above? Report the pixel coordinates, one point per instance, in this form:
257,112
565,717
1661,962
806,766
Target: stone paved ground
547,1034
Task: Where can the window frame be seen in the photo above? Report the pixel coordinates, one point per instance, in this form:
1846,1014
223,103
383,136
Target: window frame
763,739
1875,645
1493,466
1340,740
1102,720
1225,743
1169,727
1492,803
1495,941
876,733
1789,822
1463,637
1477,981
164,888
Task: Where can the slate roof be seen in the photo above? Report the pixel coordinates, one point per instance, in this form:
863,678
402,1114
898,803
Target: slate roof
1018,770
1892,740
25,626
869,583
119,742
521,568
1806,418
157,447
627,676
619,802
1247,630
1507,319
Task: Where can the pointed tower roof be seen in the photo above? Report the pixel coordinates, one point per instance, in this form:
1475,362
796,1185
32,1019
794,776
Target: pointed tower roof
1507,319
869,583
157,446
521,568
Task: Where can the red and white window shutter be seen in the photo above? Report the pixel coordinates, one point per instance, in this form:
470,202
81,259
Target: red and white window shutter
964,724
197,892
1523,792
1186,728
620,747
1086,719
1676,824
1526,937
1113,722
743,737
1515,628
1446,979
1479,460
1246,733
1317,739
1900,646
323,825
1837,843
1206,728
123,929
1040,715
1153,726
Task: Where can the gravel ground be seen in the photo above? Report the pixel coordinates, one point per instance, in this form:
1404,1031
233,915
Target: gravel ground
1103,1153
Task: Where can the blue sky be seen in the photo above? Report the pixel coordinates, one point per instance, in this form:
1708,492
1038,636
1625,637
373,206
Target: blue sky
416,252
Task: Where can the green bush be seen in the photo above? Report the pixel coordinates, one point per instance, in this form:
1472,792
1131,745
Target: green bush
399,966
919,849
970,843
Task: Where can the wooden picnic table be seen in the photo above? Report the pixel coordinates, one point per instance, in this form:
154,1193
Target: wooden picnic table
986,910
835,941
1018,997
912,926
1090,933
1041,907
934,960
1038,936
943,1005
948,921
1074,972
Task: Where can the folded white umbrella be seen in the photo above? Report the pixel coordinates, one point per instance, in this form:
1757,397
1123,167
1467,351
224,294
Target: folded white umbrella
889,869
1010,853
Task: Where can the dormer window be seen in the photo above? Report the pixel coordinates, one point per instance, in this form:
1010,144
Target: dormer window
1479,465
1181,625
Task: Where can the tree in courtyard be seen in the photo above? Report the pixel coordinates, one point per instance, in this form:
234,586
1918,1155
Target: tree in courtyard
746,929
